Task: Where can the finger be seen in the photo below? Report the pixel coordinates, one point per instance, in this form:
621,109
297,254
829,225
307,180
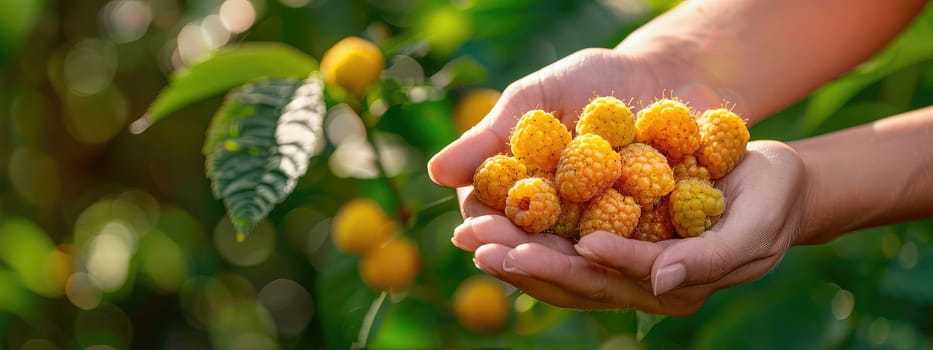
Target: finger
470,206
453,166
580,276
475,232
489,258
632,257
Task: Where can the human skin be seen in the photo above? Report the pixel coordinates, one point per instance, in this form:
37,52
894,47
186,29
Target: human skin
780,194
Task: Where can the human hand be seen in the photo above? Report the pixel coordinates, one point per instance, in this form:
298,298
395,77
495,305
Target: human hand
563,89
764,210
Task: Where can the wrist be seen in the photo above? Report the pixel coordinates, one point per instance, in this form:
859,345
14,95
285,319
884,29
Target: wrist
691,67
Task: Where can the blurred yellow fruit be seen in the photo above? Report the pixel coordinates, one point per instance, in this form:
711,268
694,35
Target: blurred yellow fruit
391,267
352,63
480,304
361,225
473,107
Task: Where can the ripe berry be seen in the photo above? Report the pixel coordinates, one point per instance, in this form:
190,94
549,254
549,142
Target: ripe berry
723,136
587,167
610,211
668,126
493,179
646,176
695,206
609,118
533,204
538,139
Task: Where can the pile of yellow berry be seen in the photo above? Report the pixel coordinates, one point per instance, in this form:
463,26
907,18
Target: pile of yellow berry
646,177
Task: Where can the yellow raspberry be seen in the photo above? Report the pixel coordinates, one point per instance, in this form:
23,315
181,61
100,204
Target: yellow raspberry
473,107
480,304
723,136
668,126
391,267
587,167
612,212
688,168
352,63
533,204
493,179
361,225
609,118
646,176
654,225
538,139
567,222
695,206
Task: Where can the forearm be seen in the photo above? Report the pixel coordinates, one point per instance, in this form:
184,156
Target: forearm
766,54
871,175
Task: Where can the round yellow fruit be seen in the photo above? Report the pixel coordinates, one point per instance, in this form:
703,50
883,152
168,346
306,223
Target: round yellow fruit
361,225
391,267
473,107
352,63
480,304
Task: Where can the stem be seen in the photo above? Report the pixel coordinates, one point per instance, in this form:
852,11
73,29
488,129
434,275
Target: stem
393,186
368,320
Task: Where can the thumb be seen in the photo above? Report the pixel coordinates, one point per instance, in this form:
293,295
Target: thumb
454,165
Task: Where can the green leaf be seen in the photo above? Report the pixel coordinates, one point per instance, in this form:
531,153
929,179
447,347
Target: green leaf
259,144
224,70
646,322
17,18
911,47
343,300
25,248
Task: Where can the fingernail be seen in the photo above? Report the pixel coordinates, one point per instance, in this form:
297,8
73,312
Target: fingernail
508,267
584,251
455,242
463,225
669,278
476,263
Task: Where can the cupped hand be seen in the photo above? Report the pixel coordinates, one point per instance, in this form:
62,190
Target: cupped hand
764,206
564,88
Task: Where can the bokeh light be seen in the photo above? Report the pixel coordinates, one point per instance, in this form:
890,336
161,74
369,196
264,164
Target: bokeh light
163,262
405,70
96,118
39,344
243,324
355,157
90,66
34,176
193,44
842,304
290,305
342,124
908,256
126,20
83,291
201,297
25,247
295,3
317,248
237,15
108,255
253,250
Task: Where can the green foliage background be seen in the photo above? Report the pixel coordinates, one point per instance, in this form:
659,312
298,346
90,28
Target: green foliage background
73,79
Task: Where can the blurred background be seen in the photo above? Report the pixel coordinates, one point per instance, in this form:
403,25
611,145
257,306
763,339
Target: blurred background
113,240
